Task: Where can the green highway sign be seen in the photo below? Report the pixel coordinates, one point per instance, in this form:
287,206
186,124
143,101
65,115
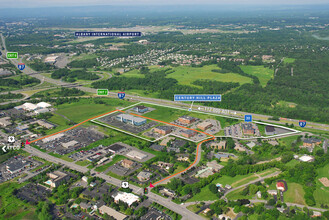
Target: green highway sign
102,92
12,55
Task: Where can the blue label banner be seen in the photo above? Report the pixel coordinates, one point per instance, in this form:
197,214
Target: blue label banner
121,95
107,34
248,118
302,123
201,98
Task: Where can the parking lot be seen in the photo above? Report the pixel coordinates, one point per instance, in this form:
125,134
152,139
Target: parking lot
123,171
33,193
112,121
5,175
84,154
83,137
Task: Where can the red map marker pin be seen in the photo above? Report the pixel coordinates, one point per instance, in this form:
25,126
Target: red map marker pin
151,185
27,142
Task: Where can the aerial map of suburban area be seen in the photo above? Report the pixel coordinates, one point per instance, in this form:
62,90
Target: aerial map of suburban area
164,110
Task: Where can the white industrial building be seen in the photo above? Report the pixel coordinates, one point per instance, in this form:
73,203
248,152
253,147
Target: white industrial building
136,155
70,144
52,138
43,105
127,198
306,158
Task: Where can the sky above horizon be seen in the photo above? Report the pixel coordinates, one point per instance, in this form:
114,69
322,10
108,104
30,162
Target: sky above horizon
63,3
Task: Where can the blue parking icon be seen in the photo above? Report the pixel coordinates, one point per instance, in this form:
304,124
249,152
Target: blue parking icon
248,118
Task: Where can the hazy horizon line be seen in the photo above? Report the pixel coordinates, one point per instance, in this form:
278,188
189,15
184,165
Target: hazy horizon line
246,4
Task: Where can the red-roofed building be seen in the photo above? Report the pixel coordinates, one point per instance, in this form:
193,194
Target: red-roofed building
280,186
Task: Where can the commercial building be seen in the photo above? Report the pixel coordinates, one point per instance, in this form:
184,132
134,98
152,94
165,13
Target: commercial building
131,119
218,145
306,158
127,198
127,163
56,178
112,212
270,130
4,122
220,156
104,159
44,124
136,155
22,127
41,111
70,144
204,125
189,133
157,147
140,109
247,128
51,59
163,130
143,176
17,166
214,166
43,105
311,142
116,148
29,106
186,119
52,138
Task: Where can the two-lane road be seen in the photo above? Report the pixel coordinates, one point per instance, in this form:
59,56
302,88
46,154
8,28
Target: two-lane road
153,197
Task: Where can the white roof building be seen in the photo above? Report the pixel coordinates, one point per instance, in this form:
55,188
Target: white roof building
128,198
136,155
70,144
111,212
29,106
43,105
52,138
5,121
40,111
306,158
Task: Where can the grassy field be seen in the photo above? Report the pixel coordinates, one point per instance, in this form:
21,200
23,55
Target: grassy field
292,163
193,208
185,75
321,193
287,140
133,73
12,207
167,114
83,163
289,60
262,73
236,181
235,195
86,108
294,194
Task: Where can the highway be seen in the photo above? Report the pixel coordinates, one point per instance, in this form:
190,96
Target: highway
152,196
225,112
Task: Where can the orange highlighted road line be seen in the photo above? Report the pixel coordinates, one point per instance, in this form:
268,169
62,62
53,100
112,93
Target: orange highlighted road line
197,149
73,126
196,158
168,123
